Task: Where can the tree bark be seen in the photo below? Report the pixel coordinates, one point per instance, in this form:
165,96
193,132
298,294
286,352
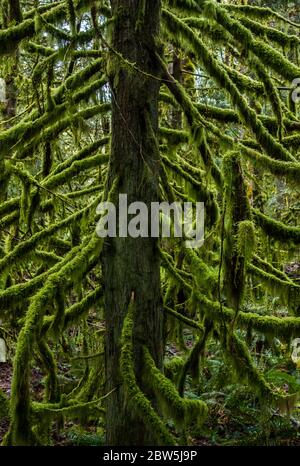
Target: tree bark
133,265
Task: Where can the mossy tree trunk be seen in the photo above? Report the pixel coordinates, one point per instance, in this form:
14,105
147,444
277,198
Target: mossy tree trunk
131,267
11,14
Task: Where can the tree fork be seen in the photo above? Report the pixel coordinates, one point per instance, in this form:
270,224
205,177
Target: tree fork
132,266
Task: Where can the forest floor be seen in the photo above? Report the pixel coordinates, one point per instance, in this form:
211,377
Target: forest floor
226,425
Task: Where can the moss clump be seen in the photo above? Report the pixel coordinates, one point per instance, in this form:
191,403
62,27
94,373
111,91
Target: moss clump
246,240
172,368
4,405
183,411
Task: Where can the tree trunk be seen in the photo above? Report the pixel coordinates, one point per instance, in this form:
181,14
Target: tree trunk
133,265
11,14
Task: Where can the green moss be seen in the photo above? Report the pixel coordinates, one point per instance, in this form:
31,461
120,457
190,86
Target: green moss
275,35
172,368
56,128
183,411
10,37
258,12
71,266
26,247
76,168
281,327
176,273
186,320
288,292
238,354
246,240
204,276
193,360
27,130
237,226
75,313
136,397
52,393
4,405
71,409
270,56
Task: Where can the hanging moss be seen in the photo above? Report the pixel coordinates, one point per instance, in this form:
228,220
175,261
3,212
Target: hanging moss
197,138
76,312
285,328
77,167
59,316
258,12
20,292
24,205
183,411
285,289
185,6
8,206
71,409
52,394
172,368
204,276
25,248
136,397
276,229
174,136
53,131
244,82
267,54
290,170
178,30
26,29
64,172
186,320
193,360
4,406
176,273
271,33
203,193
213,31
71,266
238,353
259,262
246,240
273,95
226,115
26,131
52,195
81,155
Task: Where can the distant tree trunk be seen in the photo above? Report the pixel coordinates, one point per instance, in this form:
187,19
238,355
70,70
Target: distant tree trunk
11,13
133,265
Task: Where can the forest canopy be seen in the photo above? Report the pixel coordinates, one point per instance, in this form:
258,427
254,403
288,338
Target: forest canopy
141,340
